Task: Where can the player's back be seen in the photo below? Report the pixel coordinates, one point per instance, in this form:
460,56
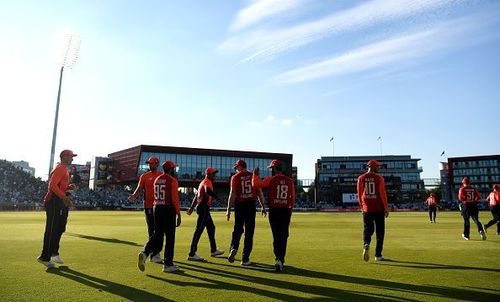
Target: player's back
370,195
281,192
242,184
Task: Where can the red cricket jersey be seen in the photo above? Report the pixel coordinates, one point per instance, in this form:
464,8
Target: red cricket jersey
468,194
202,196
493,198
431,201
166,191
372,196
147,182
58,182
241,183
281,191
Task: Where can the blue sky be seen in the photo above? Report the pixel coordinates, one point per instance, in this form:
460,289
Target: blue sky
270,75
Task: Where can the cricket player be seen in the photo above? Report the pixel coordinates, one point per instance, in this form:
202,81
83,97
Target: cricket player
281,199
469,197
167,217
56,202
494,200
243,195
146,185
372,198
431,203
202,201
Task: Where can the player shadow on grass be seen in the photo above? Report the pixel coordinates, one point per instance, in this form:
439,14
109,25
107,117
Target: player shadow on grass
427,265
210,278
390,286
127,292
103,239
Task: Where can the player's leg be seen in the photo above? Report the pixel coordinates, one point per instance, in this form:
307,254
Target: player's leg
150,220
380,232
273,222
430,213
249,230
50,213
466,216
60,229
170,220
202,212
238,226
368,227
210,225
285,231
155,242
435,212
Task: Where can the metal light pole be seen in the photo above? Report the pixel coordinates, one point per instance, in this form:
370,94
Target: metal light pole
69,56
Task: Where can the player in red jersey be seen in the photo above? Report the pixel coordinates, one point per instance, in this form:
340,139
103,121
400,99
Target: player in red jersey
494,200
146,185
202,201
281,199
243,195
469,197
166,209
372,198
56,202
431,203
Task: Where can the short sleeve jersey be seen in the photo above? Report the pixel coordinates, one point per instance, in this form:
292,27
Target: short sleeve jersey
241,183
147,182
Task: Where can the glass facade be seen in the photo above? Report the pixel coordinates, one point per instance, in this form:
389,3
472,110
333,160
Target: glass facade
193,166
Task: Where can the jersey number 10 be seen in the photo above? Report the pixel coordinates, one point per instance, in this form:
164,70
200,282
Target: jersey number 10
369,188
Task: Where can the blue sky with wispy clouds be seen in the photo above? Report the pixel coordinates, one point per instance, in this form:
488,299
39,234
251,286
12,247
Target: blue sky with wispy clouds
263,75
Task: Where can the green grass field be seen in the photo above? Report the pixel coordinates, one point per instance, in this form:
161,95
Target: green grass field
428,262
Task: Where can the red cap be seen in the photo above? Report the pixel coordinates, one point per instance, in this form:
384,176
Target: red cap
465,180
274,163
240,162
373,162
211,170
153,160
169,164
67,153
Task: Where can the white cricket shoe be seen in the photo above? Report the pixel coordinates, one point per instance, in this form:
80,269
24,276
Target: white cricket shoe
232,254
216,253
246,263
48,264
170,269
366,252
57,259
464,237
483,235
156,259
380,258
195,257
141,261
278,266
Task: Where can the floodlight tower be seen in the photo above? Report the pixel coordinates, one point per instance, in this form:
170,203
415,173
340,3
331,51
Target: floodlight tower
69,56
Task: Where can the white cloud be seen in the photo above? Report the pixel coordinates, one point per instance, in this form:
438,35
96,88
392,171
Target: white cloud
265,43
261,10
395,52
272,120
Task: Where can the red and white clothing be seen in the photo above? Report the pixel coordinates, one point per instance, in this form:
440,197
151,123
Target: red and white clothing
372,196
241,183
166,192
431,201
203,195
468,194
58,182
493,198
281,190
147,182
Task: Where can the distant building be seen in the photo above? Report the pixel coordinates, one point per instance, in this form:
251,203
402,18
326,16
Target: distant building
336,178
125,166
25,166
482,171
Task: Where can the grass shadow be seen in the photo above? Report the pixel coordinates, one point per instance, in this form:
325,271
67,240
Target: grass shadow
127,292
428,265
103,239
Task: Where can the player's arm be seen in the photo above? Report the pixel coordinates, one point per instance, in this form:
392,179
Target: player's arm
461,195
258,183
360,189
193,204
175,200
383,195
230,201
138,191
262,201
211,193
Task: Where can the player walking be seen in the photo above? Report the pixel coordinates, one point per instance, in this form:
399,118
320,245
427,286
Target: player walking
372,199
56,202
243,195
202,201
146,185
431,203
166,209
494,200
469,197
281,199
